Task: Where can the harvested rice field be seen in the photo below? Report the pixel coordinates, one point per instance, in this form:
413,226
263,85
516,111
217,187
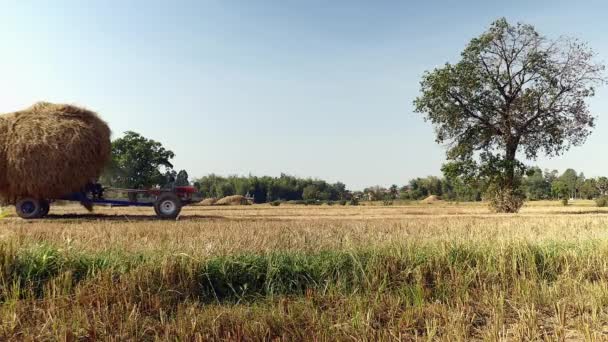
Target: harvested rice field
441,271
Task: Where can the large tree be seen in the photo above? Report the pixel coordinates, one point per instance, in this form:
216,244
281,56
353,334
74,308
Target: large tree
136,162
513,92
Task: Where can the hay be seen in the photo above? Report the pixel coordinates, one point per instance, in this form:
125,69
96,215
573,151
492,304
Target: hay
50,150
233,200
431,199
208,201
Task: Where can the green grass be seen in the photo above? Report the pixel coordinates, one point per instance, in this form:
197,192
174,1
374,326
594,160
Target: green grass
417,289
252,276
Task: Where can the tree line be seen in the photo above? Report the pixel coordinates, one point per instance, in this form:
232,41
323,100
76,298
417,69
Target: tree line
267,189
139,163
536,184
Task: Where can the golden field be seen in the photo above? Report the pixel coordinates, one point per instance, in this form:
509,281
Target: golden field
441,271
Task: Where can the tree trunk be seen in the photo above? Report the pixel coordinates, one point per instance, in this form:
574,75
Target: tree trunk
505,197
509,181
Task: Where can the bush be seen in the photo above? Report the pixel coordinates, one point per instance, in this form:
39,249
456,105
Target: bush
602,201
565,202
505,200
312,202
354,201
328,202
343,202
387,202
275,203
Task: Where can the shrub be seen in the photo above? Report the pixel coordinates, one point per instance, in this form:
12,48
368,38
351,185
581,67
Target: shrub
387,202
354,201
602,201
505,200
275,203
343,202
564,202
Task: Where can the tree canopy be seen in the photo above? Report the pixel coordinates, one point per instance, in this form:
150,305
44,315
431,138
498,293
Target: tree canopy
136,162
513,91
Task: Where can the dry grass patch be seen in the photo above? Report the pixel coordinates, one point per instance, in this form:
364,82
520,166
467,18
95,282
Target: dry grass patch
445,272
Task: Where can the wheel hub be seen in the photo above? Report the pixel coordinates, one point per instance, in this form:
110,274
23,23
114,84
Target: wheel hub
28,207
167,207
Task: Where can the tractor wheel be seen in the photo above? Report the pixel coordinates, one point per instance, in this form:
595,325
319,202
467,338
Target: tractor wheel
29,208
168,206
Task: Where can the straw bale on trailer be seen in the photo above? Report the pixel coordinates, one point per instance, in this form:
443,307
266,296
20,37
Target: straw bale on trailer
233,200
50,150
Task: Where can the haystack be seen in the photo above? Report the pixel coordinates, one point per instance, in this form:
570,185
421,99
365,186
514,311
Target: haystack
50,150
431,199
208,201
233,200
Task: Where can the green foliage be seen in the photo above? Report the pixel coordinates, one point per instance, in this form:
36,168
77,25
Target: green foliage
354,201
571,181
136,162
267,189
535,185
565,201
512,91
560,189
252,277
275,203
311,192
602,201
602,185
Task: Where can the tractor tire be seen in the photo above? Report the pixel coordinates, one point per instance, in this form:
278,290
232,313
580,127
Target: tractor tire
168,206
29,208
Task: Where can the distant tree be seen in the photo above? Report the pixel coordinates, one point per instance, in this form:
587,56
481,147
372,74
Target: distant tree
137,162
570,179
551,176
340,192
536,185
602,185
514,91
169,178
311,192
225,189
588,189
394,191
374,193
560,189
461,186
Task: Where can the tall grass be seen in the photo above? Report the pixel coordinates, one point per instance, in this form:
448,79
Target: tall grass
415,279
474,277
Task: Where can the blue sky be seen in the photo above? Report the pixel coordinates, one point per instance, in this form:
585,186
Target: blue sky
311,88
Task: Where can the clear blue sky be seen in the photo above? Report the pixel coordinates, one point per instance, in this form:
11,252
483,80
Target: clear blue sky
311,88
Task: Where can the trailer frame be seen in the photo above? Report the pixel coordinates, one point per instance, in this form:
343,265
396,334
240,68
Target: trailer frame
167,202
